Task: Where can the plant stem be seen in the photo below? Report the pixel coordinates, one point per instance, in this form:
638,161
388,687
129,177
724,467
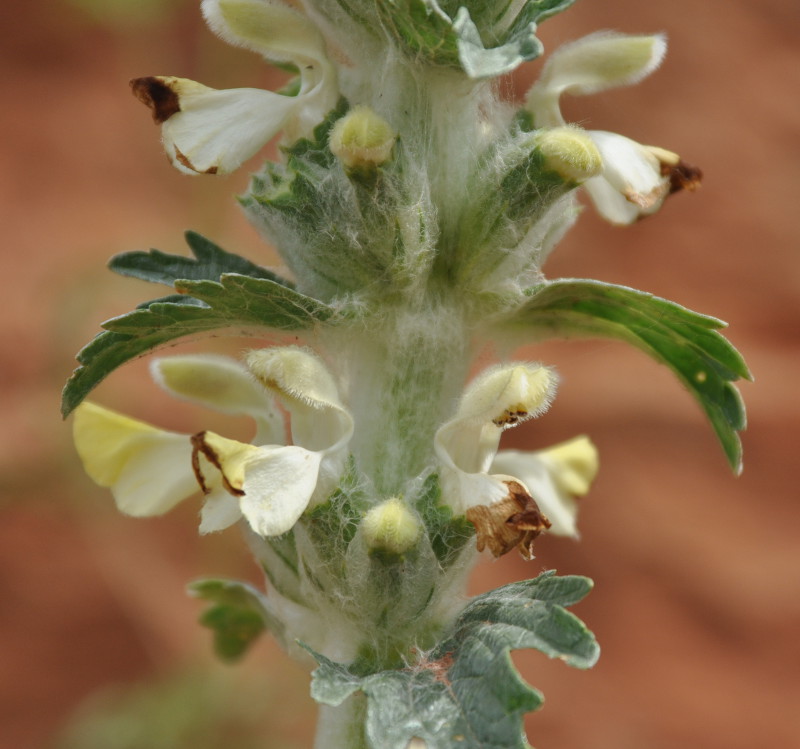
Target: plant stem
342,727
402,381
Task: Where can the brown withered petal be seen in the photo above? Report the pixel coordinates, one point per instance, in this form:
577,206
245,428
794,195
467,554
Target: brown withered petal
682,176
156,94
516,520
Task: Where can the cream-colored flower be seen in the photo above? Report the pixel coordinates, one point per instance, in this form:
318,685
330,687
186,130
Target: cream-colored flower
210,131
149,470
635,179
510,496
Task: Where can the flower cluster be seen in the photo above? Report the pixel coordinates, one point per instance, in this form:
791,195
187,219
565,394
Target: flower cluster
271,484
534,165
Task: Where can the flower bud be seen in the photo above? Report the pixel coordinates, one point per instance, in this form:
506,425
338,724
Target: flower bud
391,527
570,153
362,140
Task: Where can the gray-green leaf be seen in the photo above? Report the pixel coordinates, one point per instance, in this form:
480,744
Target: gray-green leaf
477,36
687,342
210,261
466,693
237,616
233,302
516,45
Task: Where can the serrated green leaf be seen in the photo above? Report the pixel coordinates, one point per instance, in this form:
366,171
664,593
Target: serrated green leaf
237,616
687,342
466,693
209,263
235,302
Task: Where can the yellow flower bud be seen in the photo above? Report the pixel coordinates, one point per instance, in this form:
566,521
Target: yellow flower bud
391,527
362,139
570,153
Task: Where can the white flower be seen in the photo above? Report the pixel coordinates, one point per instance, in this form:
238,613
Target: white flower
635,179
210,131
510,496
149,470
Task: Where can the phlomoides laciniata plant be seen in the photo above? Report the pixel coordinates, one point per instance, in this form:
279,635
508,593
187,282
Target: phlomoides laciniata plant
414,210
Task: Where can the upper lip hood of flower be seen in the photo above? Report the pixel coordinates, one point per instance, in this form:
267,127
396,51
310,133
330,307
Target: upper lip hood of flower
210,131
150,470
635,179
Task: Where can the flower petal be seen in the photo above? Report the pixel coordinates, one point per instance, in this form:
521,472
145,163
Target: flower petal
278,487
319,421
634,172
501,397
210,131
274,485
220,511
221,383
272,29
281,34
148,470
554,477
594,63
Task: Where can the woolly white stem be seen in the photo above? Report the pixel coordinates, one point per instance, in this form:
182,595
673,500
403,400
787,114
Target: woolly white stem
342,727
403,381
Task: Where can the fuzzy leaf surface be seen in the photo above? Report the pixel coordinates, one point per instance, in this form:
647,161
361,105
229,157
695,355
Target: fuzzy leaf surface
516,45
233,302
237,615
210,262
688,342
473,36
466,693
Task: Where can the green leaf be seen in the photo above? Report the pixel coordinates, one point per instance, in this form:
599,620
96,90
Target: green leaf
687,342
424,29
473,35
466,693
448,533
517,45
209,263
235,302
237,616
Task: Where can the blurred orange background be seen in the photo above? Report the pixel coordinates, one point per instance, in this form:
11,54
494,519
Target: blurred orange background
697,599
